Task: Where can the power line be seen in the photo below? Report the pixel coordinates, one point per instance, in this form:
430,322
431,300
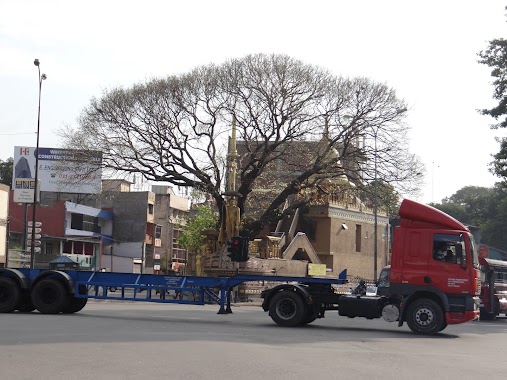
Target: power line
14,134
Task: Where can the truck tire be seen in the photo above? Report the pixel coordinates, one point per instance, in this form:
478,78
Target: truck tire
25,304
486,316
75,305
490,315
287,309
10,295
49,296
425,317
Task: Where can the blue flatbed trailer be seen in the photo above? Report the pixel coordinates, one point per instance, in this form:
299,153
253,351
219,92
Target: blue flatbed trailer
67,291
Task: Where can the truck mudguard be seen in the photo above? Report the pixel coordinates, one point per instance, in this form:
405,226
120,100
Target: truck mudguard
67,280
17,276
300,289
422,292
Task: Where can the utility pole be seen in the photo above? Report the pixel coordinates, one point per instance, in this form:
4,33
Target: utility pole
34,205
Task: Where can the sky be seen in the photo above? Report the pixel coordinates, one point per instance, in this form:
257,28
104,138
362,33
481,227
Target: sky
425,50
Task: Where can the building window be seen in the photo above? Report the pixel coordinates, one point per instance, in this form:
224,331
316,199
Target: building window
150,209
67,247
158,231
88,249
48,250
84,223
358,238
76,221
78,247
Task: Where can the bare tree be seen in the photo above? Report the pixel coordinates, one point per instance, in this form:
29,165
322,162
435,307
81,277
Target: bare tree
289,114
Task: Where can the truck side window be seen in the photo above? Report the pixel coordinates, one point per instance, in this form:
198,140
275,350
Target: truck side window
439,250
444,248
383,280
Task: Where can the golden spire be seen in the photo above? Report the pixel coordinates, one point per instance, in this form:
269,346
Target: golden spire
232,156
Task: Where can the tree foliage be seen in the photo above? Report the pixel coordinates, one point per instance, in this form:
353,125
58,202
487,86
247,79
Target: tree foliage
482,207
192,236
384,194
176,130
6,168
495,56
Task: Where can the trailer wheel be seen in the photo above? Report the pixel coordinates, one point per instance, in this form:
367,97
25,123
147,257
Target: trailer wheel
75,305
49,296
26,305
10,295
287,309
425,316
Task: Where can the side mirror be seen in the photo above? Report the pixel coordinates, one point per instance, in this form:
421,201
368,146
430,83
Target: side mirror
459,257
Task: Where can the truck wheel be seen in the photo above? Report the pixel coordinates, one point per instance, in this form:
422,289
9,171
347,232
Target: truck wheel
425,316
26,305
75,305
486,316
10,295
287,308
50,297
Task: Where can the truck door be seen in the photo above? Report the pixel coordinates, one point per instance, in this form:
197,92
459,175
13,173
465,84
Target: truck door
415,261
445,272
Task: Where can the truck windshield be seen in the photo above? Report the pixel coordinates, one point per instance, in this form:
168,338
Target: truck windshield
475,252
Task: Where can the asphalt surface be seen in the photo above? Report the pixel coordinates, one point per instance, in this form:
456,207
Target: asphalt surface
132,340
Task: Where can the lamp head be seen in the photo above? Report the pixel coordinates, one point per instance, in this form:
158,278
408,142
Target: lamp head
36,62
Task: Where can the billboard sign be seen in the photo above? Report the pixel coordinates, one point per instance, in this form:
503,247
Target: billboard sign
23,190
60,170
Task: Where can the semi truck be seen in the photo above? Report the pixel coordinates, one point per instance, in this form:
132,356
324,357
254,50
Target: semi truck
493,288
418,287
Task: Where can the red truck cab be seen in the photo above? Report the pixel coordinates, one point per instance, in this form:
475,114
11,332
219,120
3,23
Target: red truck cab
435,259
433,280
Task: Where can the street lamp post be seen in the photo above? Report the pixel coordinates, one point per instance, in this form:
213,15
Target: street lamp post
34,205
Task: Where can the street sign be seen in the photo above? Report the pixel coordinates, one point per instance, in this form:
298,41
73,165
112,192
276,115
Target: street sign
27,253
37,230
37,224
35,243
37,236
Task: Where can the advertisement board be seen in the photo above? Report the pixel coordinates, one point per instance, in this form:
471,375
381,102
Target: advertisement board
60,170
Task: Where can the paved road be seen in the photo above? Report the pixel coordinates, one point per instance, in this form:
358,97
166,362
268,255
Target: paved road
119,340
